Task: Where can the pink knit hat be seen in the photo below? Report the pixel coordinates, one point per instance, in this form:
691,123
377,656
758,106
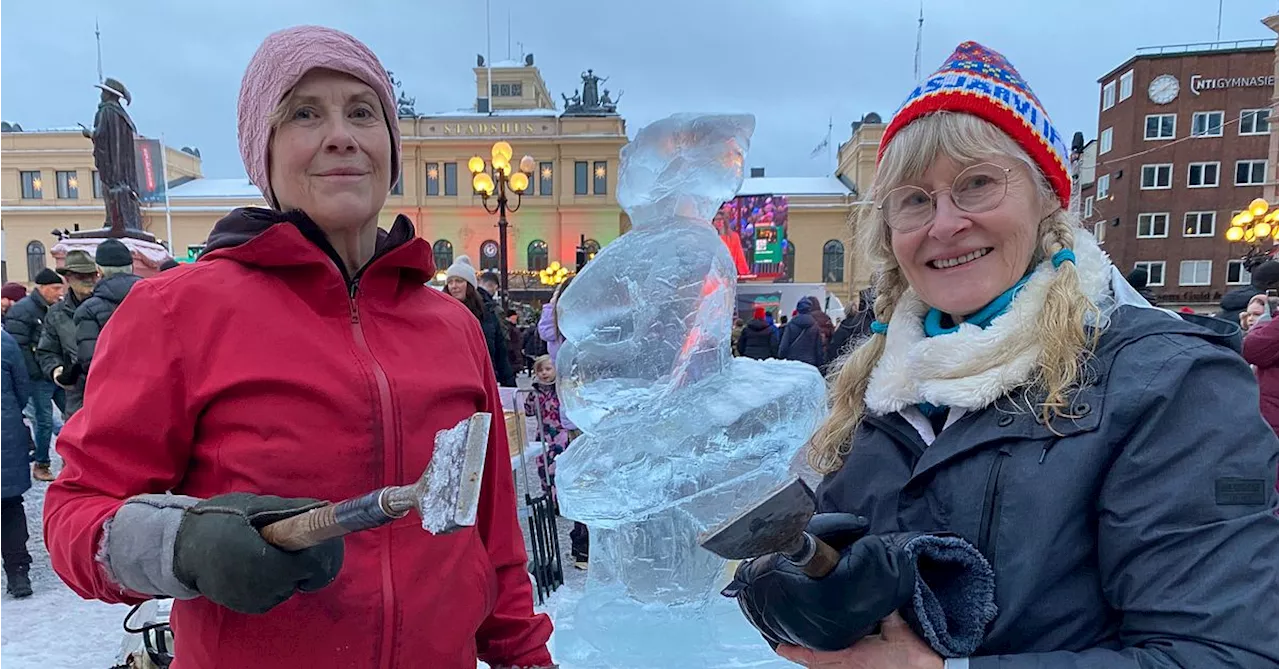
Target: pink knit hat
279,64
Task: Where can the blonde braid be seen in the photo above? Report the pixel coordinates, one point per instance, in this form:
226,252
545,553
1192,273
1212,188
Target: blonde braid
834,438
1062,324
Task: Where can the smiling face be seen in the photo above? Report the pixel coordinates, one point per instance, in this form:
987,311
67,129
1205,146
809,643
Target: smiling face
960,261
330,151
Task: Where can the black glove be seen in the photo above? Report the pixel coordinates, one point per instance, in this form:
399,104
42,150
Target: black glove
220,554
70,375
832,613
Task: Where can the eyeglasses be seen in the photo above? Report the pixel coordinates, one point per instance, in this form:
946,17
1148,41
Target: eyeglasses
978,188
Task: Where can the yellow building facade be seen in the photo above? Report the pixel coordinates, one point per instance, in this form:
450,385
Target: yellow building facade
572,192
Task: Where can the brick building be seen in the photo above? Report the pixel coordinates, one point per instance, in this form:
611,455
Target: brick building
1183,144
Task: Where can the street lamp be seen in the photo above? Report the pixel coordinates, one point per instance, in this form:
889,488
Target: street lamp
1254,226
498,176
554,275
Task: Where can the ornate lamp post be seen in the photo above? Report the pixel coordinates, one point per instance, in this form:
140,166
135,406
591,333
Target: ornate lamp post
498,176
1256,225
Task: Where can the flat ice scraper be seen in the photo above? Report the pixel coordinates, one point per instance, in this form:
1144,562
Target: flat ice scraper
775,524
445,497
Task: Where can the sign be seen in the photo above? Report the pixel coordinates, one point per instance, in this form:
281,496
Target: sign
1201,83
151,177
768,247
492,128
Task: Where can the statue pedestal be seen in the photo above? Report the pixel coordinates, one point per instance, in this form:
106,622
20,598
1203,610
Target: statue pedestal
148,254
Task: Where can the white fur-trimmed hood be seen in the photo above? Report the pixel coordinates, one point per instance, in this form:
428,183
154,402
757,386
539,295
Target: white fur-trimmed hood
973,367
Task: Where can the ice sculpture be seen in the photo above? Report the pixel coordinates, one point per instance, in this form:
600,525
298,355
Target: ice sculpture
678,434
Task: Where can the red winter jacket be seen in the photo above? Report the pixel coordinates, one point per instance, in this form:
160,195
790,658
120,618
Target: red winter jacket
257,370
1260,350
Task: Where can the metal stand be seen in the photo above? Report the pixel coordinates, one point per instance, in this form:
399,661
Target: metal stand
544,533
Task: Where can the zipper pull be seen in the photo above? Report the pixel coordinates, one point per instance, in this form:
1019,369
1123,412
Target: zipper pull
351,302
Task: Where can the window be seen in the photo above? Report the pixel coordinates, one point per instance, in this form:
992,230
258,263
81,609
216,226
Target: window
1202,175
35,259
68,185
450,178
442,254
1104,186
1104,142
507,90
32,188
1206,124
1236,273
398,187
489,255
1088,208
1157,176
1161,126
1255,121
1155,271
97,185
546,179
833,262
1109,96
1100,232
1126,85
433,178
1199,223
517,89
580,178
537,255
1251,172
600,178
1151,226
1195,273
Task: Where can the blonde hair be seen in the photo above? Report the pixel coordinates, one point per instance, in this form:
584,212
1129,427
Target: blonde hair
541,360
1065,340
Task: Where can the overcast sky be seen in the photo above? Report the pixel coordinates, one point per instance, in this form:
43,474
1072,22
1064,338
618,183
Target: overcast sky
793,63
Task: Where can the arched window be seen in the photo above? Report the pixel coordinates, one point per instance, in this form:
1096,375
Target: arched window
537,255
489,255
789,260
442,254
35,259
833,262
592,247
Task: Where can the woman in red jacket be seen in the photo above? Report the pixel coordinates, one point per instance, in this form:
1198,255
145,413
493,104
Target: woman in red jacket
1260,350
293,362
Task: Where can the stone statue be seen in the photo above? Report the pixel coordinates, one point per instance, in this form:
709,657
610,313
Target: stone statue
115,157
591,89
404,103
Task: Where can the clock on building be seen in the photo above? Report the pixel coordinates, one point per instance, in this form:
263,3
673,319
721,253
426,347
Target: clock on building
1163,89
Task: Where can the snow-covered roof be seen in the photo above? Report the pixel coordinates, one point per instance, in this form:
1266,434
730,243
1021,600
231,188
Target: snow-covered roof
793,186
507,63
471,113
240,188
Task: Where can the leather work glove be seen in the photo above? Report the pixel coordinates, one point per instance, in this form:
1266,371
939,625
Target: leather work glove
220,554
834,612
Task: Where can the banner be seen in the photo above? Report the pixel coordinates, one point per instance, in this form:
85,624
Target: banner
151,177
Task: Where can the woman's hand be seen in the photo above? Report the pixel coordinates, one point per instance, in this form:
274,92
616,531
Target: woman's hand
897,647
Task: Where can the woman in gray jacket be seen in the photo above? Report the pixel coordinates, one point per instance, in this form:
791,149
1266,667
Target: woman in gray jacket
1105,457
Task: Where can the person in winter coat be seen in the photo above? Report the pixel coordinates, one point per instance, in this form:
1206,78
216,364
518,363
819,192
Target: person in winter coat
802,337
1260,350
1262,278
515,340
826,327
759,340
56,352
115,266
855,327
26,324
301,359
1018,395
533,346
543,403
10,293
15,456
461,284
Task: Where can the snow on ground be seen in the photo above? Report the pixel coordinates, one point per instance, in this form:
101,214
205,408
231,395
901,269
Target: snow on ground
55,627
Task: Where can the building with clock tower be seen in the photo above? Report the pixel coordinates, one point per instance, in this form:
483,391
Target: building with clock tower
1183,144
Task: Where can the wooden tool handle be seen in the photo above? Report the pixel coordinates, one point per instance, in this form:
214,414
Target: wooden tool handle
823,561
330,521
304,530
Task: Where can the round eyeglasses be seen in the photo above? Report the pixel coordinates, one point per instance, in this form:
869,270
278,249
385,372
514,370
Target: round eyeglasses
978,188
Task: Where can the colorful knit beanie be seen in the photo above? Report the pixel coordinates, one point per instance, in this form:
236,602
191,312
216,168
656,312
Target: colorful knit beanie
976,80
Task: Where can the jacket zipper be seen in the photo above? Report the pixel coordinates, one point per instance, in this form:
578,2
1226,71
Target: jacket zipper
991,508
384,432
